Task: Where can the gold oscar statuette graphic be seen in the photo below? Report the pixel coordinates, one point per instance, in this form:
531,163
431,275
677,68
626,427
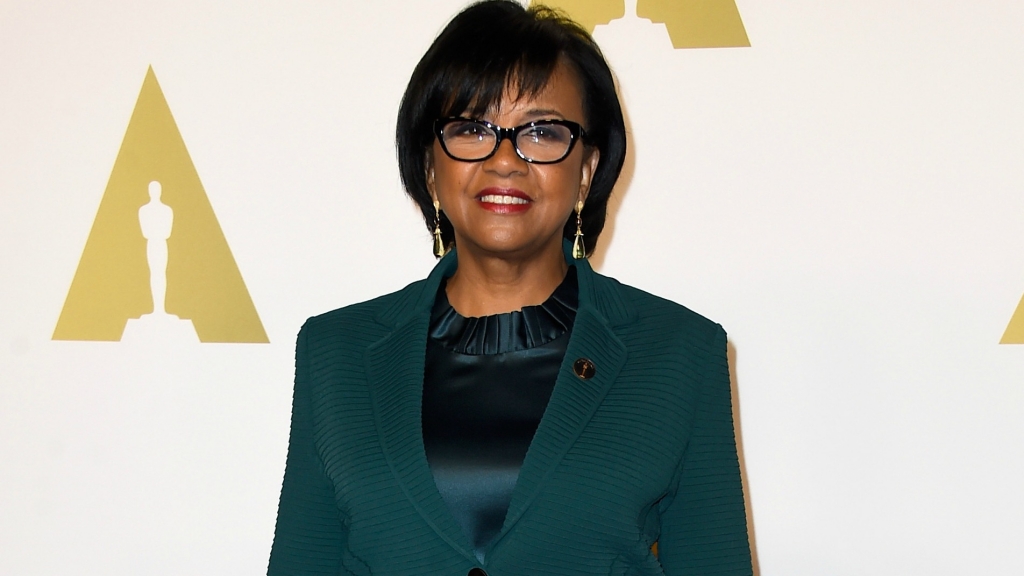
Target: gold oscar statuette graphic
690,23
590,13
1015,331
156,255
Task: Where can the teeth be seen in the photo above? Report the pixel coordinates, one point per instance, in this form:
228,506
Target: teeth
502,199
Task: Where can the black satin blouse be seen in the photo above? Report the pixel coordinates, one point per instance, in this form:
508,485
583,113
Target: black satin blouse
487,382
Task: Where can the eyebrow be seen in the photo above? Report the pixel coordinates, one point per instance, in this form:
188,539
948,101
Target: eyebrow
543,112
537,112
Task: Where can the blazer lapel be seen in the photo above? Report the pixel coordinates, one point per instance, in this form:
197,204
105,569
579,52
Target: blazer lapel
394,368
574,399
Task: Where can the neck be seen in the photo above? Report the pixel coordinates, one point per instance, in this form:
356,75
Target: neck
487,284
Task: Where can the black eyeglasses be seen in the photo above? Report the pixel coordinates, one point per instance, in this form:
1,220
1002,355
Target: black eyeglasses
542,142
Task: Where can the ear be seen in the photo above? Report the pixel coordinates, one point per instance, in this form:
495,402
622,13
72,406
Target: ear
428,167
591,158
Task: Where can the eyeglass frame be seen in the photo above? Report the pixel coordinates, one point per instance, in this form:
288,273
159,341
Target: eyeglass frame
576,132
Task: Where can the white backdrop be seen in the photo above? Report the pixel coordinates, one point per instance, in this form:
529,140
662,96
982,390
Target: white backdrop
845,197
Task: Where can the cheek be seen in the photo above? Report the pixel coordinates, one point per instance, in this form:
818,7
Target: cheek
563,181
449,176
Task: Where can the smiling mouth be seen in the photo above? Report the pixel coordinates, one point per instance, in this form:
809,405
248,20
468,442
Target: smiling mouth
502,199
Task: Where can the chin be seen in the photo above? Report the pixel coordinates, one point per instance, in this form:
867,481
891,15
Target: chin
512,245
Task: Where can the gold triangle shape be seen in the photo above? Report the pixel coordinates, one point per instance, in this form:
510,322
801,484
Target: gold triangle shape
112,283
690,23
1015,330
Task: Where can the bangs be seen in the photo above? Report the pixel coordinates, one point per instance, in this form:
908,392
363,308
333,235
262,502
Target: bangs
487,58
478,87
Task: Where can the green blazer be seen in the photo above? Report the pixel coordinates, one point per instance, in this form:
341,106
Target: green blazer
640,451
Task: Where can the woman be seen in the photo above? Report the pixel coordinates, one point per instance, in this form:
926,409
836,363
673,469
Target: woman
515,413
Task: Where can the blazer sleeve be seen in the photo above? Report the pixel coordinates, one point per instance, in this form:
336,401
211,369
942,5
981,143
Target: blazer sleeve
703,527
309,535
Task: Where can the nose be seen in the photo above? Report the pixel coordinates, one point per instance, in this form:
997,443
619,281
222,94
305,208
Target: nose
506,160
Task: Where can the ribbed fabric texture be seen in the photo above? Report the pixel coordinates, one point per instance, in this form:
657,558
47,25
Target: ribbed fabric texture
641,452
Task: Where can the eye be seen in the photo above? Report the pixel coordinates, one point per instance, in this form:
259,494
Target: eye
547,134
466,130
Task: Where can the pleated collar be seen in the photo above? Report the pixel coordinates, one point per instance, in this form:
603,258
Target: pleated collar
499,333
598,293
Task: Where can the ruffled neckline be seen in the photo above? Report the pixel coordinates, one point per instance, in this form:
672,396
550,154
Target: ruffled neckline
510,331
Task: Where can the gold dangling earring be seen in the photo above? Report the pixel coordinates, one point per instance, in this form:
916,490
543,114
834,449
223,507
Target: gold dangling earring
439,247
579,251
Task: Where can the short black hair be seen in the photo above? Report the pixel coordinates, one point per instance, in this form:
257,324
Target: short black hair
485,49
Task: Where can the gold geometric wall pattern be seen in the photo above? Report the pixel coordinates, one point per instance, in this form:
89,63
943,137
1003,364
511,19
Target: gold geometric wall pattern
114,282
1015,330
690,23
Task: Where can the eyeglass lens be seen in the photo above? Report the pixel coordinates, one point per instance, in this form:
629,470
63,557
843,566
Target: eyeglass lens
469,140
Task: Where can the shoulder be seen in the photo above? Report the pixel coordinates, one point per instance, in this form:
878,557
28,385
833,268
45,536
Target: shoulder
649,307
362,318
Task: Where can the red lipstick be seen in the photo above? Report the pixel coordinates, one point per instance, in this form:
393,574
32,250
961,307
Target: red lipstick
504,200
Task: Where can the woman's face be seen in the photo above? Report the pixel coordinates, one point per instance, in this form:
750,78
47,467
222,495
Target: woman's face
476,196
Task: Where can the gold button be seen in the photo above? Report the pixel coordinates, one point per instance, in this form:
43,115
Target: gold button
584,368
